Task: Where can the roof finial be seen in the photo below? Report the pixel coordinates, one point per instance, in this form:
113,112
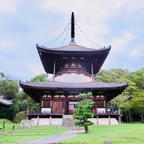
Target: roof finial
72,28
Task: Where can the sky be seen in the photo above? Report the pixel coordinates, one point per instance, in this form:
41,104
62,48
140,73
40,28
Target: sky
99,23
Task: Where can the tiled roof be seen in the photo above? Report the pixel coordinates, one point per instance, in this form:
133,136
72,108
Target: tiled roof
94,85
73,47
5,102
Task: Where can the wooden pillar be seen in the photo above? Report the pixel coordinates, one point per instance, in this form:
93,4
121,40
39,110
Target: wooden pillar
67,104
27,113
94,107
40,104
37,120
92,70
119,119
106,108
119,111
97,120
50,120
52,101
109,120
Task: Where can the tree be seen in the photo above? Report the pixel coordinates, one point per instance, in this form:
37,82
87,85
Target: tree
39,78
84,111
138,103
9,90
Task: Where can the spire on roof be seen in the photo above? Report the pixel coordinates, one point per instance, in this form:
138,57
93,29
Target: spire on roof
72,28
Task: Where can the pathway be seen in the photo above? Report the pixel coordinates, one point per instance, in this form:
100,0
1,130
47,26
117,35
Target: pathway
54,138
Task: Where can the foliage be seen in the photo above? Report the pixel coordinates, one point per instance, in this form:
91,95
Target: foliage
10,90
20,116
131,100
39,78
111,76
23,101
84,111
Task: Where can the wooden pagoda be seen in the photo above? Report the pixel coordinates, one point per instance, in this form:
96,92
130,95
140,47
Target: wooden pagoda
73,68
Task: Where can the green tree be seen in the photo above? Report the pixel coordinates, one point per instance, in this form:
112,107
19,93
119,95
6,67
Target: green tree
9,89
137,103
84,112
39,78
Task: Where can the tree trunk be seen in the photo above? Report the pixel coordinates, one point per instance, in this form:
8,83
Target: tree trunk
86,129
142,118
130,118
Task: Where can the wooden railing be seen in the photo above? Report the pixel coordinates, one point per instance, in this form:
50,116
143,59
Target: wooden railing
116,112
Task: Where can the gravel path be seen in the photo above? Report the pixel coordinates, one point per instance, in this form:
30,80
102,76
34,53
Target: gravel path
54,138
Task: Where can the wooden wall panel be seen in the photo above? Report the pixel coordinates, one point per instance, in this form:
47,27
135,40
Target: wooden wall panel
59,107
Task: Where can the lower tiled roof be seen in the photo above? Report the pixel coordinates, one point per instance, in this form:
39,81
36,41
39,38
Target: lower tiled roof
5,102
93,85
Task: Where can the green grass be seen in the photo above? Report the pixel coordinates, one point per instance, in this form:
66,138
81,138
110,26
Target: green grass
117,134
24,134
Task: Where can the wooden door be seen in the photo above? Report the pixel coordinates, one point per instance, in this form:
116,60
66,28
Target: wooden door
58,107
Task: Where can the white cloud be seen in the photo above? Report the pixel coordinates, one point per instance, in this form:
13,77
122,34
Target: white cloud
92,16
120,43
96,9
134,5
7,45
8,6
137,51
35,69
88,13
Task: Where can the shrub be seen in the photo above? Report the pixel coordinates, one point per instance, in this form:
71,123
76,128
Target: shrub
20,116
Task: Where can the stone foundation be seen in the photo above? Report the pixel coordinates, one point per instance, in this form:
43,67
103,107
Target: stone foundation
27,123
66,121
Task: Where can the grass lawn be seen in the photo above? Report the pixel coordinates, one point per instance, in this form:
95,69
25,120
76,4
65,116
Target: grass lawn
117,134
24,134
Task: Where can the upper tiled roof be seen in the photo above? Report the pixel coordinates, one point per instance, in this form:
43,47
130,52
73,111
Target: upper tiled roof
73,47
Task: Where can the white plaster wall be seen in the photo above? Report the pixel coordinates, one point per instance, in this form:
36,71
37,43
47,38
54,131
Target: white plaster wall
73,78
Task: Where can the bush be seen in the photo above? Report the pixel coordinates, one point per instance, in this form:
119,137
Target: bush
20,116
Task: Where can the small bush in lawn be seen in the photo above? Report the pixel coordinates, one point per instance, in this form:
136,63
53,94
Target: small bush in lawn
20,116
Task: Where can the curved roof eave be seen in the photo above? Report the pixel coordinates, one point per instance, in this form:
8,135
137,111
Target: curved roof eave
55,85
72,49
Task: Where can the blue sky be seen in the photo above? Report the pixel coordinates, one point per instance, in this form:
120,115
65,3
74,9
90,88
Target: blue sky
23,23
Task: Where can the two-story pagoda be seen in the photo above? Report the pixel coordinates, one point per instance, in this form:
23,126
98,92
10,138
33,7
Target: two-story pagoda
73,67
